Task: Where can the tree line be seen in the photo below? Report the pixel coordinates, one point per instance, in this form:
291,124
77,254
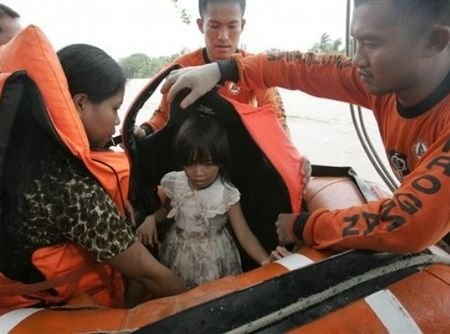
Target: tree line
139,65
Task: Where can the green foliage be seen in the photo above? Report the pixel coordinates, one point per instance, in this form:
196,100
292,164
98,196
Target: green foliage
139,65
327,45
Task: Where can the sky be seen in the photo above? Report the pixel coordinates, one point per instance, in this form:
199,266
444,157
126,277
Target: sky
154,27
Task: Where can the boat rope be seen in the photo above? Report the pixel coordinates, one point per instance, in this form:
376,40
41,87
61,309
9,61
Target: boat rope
101,331
314,299
369,149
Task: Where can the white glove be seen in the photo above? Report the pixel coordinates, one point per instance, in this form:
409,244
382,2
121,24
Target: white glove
199,79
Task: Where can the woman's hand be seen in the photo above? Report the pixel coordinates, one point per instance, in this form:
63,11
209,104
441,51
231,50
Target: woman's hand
137,263
276,254
147,231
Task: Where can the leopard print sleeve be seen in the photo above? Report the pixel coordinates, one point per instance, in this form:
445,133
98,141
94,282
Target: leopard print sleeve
61,202
98,225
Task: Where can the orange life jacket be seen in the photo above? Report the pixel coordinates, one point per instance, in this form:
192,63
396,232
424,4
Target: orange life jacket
68,268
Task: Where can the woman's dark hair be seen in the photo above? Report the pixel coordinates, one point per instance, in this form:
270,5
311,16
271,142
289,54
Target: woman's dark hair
201,139
88,70
91,71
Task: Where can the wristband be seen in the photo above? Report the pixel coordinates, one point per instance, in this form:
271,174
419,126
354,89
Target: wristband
228,70
299,225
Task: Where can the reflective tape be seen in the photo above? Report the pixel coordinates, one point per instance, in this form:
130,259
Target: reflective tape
11,319
392,313
294,261
439,251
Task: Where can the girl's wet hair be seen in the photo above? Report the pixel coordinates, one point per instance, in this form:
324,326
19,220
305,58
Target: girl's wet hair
201,139
91,71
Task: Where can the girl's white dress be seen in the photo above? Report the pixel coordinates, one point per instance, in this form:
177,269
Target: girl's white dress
198,247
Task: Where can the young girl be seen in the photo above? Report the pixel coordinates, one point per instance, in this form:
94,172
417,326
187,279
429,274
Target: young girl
199,247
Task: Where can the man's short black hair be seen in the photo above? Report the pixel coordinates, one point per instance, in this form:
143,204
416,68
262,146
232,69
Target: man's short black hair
7,11
202,4
423,13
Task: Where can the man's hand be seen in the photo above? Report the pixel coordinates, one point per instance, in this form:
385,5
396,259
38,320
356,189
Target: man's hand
284,224
199,79
139,132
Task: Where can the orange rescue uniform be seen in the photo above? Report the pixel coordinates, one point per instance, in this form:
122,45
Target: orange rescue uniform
417,142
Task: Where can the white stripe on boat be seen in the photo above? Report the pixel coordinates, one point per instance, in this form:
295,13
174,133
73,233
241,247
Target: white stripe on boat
439,251
392,313
11,319
294,261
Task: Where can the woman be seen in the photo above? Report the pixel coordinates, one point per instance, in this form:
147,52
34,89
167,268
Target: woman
52,200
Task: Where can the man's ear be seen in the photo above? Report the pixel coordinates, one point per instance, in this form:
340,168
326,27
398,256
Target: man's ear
200,25
79,100
438,40
243,21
